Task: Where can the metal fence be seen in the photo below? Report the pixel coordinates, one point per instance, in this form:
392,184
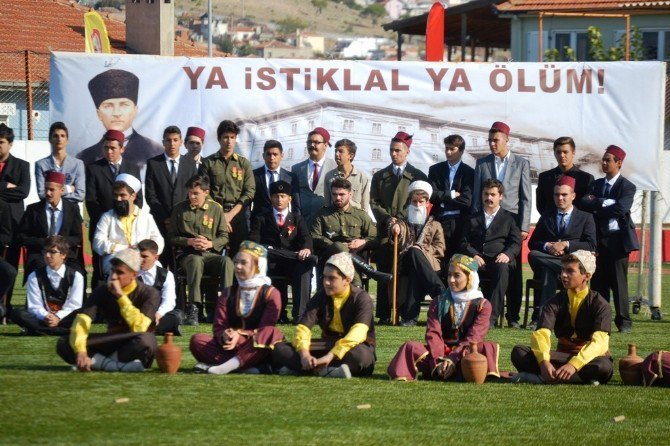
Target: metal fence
24,93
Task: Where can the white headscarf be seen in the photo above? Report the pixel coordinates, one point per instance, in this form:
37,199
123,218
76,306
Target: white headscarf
470,293
248,289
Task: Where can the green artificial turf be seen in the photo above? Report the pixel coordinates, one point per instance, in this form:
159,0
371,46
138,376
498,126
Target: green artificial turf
42,401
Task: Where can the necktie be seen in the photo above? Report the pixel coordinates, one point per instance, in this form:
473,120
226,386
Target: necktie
52,221
280,216
273,177
115,169
315,176
561,223
140,279
173,172
608,188
398,172
2,167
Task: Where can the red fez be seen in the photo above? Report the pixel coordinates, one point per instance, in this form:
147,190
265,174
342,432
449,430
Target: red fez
115,135
195,131
404,138
566,180
500,127
323,132
54,176
617,152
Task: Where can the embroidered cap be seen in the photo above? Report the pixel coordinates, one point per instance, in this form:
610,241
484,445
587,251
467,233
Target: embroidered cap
130,181
130,257
253,249
464,261
342,261
280,187
420,185
586,258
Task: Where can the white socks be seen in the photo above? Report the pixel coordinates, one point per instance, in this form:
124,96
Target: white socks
226,367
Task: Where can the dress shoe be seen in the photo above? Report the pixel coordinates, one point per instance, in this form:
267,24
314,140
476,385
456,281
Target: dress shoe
408,323
532,326
338,372
513,325
191,317
365,268
625,329
385,321
284,320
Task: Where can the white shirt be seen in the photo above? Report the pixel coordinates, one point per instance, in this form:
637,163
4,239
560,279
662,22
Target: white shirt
271,177
69,188
568,214
169,160
59,216
310,169
168,291
283,213
613,224
501,166
401,167
488,218
36,302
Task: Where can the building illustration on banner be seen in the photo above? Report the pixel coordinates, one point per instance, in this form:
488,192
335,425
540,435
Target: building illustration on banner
372,128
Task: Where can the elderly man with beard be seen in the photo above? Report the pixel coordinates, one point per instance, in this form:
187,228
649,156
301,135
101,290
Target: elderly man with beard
421,248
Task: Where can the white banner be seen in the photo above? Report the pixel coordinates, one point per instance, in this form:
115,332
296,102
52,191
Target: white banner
598,104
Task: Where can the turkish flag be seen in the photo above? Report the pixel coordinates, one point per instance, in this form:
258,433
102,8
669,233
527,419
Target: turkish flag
435,33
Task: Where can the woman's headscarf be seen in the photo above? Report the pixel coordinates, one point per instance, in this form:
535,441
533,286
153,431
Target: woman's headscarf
460,299
248,288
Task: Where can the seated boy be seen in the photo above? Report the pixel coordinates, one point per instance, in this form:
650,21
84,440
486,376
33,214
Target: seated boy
54,292
582,320
168,319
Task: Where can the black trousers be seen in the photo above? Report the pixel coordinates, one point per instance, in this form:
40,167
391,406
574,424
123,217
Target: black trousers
282,262
546,269
599,369
421,280
35,327
7,278
170,322
453,231
515,290
360,359
495,280
128,347
612,274
384,258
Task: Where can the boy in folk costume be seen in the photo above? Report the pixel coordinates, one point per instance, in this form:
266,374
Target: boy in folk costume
582,320
455,319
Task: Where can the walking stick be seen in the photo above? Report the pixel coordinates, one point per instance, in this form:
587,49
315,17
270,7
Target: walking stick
394,315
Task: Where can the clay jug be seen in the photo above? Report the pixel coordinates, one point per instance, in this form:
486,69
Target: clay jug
474,365
630,367
168,356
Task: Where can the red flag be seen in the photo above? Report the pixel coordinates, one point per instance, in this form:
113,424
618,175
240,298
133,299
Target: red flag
435,33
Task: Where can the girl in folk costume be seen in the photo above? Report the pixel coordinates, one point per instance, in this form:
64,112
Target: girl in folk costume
455,319
244,321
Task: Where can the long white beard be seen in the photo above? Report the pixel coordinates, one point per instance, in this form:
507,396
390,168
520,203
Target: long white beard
417,215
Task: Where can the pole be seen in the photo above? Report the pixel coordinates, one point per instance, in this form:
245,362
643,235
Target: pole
209,28
541,43
656,258
394,315
639,298
29,95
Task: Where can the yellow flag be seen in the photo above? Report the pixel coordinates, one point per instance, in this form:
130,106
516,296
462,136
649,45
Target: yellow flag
97,40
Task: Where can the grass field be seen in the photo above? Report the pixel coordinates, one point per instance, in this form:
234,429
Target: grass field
42,401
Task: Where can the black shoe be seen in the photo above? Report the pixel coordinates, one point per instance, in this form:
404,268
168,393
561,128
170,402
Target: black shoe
532,326
408,323
385,321
625,329
513,325
284,320
191,317
365,268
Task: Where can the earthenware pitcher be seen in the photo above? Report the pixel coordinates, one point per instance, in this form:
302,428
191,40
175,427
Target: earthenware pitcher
474,365
168,356
630,367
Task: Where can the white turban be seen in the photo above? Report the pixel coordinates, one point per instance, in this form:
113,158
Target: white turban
420,185
130,180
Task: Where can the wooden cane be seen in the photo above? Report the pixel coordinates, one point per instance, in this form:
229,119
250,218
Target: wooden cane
394,315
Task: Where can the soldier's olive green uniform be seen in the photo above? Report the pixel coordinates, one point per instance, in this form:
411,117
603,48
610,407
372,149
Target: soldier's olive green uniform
333,228
231,182
208,220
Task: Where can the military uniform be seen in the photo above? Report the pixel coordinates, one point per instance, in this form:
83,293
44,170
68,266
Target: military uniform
388,197
208,220
333,228
231,181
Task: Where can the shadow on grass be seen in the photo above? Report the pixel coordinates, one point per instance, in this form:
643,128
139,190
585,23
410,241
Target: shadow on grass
36,368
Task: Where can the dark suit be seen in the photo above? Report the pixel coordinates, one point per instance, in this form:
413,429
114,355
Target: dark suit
262,201
17,172
613,246
100,198
544,194
502,236
7,271
388,198
580,233
35,228
138,150
283,243
162,196
451,212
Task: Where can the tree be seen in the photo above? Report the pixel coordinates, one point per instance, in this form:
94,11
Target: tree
289,25
320,5
375,12
226,45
